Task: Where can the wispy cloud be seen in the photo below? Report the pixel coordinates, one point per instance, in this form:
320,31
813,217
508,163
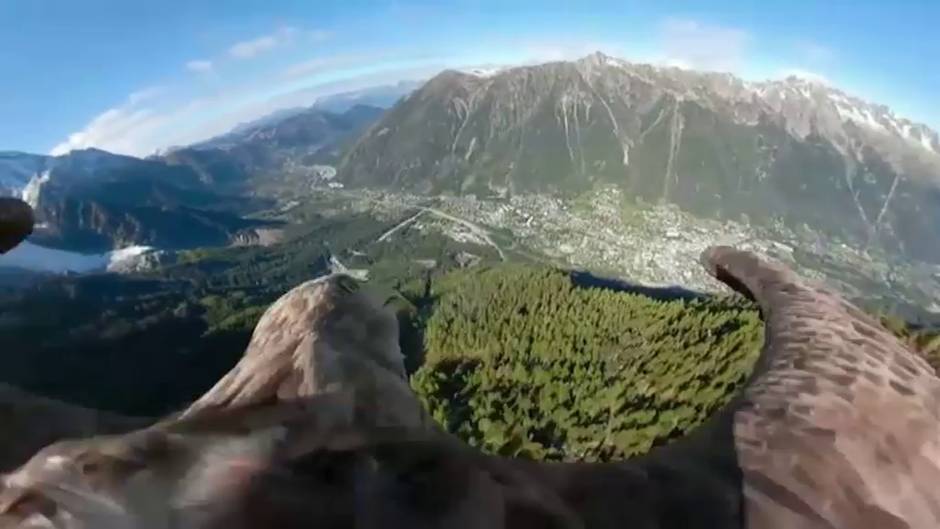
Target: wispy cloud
536,52
814,52
314,65
142,124
699,45
265,43
328,63
679,42
199,66
116,129
145,94
513,51
319,35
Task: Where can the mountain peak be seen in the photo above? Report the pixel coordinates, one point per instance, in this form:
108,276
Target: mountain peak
482,70
806,79
803,99
600,59
711,143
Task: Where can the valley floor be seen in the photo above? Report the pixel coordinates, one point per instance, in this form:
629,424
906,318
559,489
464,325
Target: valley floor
655,245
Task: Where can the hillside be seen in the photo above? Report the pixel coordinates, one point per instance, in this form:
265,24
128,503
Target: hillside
517,359
287,152
788,153
188,321
94,201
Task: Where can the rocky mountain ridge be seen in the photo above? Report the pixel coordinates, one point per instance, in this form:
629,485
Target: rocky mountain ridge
295,150
95,201
791,153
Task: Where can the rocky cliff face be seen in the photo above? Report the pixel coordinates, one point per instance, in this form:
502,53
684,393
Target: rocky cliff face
95,201
786,152
16,169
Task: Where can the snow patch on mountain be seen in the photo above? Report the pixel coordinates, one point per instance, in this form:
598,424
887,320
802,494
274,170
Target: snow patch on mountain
613,61
860,116
23,175
925,141
33,257
805,102
814,97
482,71
16,169
30,193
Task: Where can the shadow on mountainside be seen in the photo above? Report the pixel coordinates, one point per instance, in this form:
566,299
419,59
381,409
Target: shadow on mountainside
585,279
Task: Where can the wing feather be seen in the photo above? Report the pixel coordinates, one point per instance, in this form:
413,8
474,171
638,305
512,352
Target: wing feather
323,335
16,222
838,426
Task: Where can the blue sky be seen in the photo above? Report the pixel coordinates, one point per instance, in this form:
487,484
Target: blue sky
134,76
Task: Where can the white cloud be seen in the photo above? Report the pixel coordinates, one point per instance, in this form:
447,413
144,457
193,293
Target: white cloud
243,107
676,63
319,35
199,66
114,129
814,52
311,66
141,125
703,46
333,62
137,126
251,48
145,94
561,50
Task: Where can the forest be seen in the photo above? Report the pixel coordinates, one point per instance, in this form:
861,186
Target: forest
516,358
521,361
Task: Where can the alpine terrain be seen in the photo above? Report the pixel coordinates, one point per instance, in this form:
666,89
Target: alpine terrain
789,154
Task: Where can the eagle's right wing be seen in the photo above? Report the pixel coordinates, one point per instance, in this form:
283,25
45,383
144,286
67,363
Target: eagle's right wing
838,427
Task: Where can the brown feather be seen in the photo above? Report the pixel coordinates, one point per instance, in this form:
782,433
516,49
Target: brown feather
16,222
836,428
323,335
839,425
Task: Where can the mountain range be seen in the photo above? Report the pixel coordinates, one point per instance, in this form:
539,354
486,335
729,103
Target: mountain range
790,152
788,155
94,201
294,149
